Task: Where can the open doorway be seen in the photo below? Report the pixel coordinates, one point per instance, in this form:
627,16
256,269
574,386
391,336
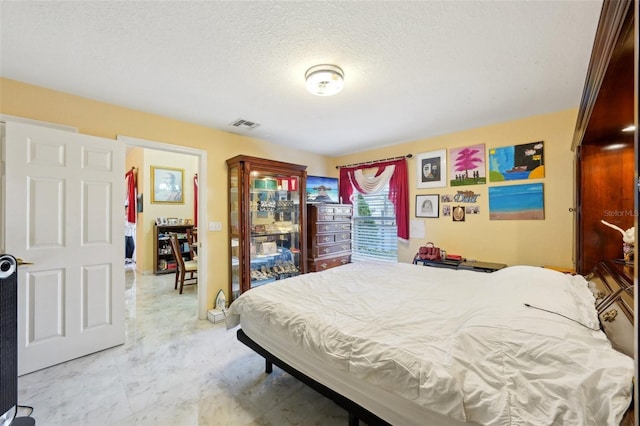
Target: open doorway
146,156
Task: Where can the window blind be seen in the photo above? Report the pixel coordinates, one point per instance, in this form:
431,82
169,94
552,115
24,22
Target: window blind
375,233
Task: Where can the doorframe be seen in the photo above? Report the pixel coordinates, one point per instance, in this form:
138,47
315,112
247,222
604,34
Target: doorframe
202,204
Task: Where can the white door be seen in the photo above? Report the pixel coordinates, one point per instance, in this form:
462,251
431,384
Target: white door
65,213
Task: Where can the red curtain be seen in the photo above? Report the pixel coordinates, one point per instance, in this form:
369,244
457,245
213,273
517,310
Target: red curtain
195,198
398,190
130,177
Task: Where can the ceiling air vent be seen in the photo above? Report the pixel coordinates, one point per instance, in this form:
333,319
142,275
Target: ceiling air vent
244,124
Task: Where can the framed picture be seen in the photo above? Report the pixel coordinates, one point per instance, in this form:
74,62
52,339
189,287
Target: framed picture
513,162
428,205
458,214
322,189
467,166
167,184
172,221
431,168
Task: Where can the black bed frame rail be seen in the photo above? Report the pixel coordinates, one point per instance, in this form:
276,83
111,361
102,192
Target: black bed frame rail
356,411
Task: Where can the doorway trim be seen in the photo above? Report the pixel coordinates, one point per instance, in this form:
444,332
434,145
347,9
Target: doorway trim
202,204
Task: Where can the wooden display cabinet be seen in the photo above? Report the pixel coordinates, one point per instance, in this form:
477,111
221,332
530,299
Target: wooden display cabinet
267,221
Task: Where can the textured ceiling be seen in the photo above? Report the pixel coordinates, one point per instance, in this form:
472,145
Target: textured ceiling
413,69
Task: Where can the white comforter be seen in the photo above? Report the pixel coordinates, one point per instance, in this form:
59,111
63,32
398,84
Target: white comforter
461,343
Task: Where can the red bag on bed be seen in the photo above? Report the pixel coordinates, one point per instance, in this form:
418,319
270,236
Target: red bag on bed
429,252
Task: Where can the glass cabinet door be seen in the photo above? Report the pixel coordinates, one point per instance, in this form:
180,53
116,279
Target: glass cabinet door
267,217
275,227
234,230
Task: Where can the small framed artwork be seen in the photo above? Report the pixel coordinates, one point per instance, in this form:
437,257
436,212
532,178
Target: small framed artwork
458,214
167,184
467,166
428,205
173,221
431,168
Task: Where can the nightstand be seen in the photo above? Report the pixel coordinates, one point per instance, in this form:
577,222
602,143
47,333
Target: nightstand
476,266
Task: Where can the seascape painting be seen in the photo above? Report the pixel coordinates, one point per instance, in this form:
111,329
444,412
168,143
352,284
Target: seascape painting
322,189
516,202
515,162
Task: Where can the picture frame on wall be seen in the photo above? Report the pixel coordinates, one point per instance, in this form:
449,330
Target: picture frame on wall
428,205
167,185
431,169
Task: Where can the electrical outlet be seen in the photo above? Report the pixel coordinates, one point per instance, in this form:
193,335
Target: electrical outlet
215,226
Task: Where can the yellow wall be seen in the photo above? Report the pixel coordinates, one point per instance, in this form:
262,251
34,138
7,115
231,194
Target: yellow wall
189,164
533,242
546,242
108,121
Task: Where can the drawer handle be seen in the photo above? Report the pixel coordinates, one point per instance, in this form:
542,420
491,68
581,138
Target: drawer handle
345,247
323,265
609,316
343,261
600,294
346,226
326,227
345,237
326,250
327,239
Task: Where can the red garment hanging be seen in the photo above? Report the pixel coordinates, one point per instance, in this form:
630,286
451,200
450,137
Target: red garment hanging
195,197
130,177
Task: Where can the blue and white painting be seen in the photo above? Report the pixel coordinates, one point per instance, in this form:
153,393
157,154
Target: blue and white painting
516,202
322,189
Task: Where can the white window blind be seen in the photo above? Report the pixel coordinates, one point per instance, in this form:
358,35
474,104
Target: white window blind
375,233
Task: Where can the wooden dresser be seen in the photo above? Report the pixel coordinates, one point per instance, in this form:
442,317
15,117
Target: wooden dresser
613,286
328,235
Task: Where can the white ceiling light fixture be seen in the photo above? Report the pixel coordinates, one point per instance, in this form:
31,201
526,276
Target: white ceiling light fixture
324,80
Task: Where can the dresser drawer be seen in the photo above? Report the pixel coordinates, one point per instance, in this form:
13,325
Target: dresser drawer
333,218
323,264
328,209
608,280
320,239
326,250
323,228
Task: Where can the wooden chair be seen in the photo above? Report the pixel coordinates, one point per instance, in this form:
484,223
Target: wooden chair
192,239
182,266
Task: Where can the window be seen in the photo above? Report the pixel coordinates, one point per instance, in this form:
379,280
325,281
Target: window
375,233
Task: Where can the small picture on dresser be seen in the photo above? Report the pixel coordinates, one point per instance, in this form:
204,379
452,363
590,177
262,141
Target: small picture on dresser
322,189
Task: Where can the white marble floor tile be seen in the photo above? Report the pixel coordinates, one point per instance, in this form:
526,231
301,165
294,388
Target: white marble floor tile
173,369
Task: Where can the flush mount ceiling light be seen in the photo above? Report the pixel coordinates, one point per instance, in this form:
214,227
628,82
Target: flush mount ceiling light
324,80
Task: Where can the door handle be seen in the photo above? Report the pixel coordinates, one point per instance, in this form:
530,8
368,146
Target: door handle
21,261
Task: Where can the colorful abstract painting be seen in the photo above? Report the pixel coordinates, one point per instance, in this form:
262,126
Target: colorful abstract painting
467,166
514,162
516,202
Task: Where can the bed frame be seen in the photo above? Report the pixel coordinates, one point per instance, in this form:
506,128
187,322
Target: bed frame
356,411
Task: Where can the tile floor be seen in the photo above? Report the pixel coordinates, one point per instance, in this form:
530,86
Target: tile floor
172,370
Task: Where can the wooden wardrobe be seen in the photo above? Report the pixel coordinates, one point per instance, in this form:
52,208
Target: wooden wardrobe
606,156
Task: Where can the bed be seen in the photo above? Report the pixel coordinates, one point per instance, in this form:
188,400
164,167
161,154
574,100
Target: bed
403,344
